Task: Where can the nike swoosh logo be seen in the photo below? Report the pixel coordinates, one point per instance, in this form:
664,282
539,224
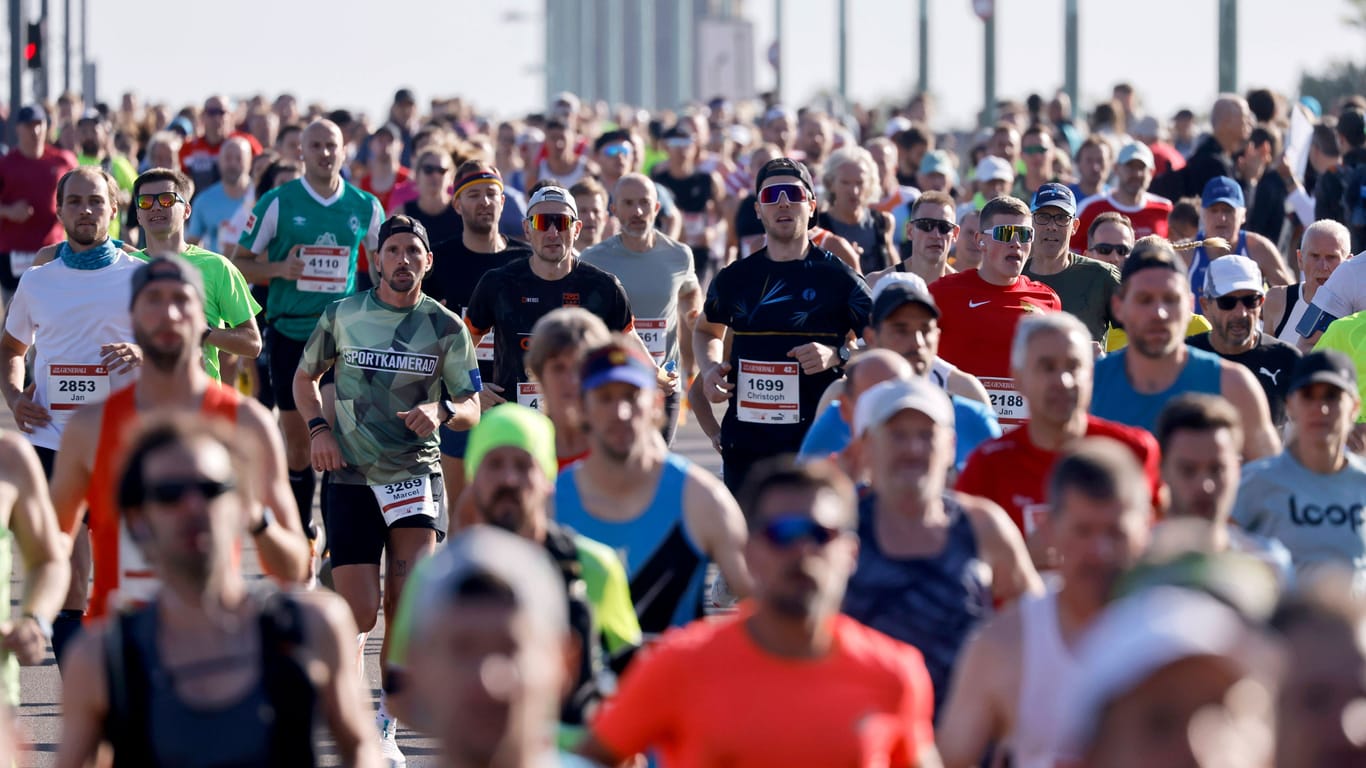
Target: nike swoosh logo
975,304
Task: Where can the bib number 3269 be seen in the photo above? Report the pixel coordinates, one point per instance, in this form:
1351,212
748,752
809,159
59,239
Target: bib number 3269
405,498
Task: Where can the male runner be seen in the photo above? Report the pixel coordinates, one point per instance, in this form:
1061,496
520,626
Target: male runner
403,365
28,204
1342,294
930,236
1324,246
1130,197
1084,285
1223,212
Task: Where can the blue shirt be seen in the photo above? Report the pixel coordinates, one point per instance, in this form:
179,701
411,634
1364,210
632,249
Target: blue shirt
1114,397
974,424
210,216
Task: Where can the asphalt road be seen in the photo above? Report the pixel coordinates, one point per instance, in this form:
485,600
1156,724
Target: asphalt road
40,712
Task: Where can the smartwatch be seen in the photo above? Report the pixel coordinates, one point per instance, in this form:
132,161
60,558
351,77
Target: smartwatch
447,409
843,352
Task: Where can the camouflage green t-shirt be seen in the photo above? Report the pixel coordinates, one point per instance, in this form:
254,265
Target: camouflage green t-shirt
389,359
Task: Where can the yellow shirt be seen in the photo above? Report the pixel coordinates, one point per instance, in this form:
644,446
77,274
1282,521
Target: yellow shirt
1116,338
1348,336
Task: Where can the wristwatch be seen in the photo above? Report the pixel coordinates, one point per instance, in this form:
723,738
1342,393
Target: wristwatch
447,409
843,352
44,626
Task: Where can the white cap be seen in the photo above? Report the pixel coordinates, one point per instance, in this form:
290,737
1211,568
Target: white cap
994,168
1227,274
913,281
552,195
895,125
883,401
1136,150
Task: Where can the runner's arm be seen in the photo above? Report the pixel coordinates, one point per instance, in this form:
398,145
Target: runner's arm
85,700
720,528
1240,387
282,547
47,566
1273,267
243,340
971,717
71,469
1273,307
689,309
966,385
332,636
1003,548
256,267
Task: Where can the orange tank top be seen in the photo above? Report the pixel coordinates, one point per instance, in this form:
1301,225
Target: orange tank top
119,564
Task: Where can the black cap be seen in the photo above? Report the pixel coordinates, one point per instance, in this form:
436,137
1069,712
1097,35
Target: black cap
166,268
398,224
30,113
1328,366
404,95
784,166
390,129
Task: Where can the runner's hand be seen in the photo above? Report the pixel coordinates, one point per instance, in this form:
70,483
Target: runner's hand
17,211
814,357
714,383
28,414
327,456
121,357
26,642
292,268
422,419
490,396
667,381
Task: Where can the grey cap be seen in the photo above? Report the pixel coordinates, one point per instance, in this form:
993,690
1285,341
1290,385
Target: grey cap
552,194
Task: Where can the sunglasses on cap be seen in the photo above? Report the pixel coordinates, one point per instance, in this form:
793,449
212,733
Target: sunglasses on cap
172,491
1006,233
164,199
934,225
616,150
1105,249
789,530
1227,303
435,170
795,193
544,221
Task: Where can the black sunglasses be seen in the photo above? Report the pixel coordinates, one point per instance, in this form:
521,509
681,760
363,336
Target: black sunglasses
934,225
1227,303
788,530
172,491
1105,249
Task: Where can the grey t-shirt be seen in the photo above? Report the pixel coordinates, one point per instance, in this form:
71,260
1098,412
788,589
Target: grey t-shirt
653,281
1317,517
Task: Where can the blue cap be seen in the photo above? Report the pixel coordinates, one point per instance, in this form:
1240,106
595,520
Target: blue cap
31,113
1055,195
183,125
1312,104
620,364
1222,189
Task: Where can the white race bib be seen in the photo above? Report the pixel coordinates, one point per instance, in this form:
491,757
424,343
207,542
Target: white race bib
767,393
1010,406
694,225
405,498
326,268
529,394
20,261
71,386
653,331
138,583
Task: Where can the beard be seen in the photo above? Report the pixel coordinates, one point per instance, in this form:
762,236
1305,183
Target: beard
483,229
164,360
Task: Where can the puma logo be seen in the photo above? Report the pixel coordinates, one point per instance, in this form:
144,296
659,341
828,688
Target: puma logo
1271,375
975,304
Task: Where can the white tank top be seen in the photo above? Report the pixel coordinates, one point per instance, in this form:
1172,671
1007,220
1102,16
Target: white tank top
1288,333
1048,671
566,180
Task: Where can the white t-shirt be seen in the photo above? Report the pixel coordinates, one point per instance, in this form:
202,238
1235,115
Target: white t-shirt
67,315
1345,292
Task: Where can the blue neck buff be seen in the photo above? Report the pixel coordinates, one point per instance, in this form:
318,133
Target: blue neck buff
97,257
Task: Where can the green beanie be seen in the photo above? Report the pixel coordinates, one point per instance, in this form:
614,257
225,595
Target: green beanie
514,425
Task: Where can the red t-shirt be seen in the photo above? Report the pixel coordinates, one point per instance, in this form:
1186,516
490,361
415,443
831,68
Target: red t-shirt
1013,472
978,319
1149,218
400,177
706,695
33,180
199,156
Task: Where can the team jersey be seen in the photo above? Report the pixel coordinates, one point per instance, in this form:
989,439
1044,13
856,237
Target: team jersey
509,300
389,359
978,321
1272,361
331,229
898,203
1149,218
1013,472
653,280
771,308
228,302
1348,336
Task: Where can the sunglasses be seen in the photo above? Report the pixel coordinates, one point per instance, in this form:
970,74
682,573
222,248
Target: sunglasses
434,170
544,221
934,225
1227,303
172,491
164,199
1055,219
1105,249
789,530
1006,233
794,193
616,150
677,143
214,112
1034,149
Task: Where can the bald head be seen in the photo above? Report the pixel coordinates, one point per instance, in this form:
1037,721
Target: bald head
1231,121
635,204
871,367
322,149
634,184
233,158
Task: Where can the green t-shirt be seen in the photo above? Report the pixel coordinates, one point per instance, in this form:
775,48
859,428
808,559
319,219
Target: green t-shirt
1085,287
124,175
227,298
293,214
389,359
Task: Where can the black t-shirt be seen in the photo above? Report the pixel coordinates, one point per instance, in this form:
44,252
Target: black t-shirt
772,307
691,193
747,221
456,270
512,298
440,227
1271,361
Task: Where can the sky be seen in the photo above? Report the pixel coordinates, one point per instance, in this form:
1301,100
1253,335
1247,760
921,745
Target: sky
354,53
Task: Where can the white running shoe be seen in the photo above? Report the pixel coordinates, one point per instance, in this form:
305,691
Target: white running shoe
388,745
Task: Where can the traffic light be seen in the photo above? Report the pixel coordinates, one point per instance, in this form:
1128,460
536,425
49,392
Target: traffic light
33,48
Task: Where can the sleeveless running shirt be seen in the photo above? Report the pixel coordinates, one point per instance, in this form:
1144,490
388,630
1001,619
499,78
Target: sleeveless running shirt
1200,264
1115,399
665,566
119,564
1047,669
933,603
1290,316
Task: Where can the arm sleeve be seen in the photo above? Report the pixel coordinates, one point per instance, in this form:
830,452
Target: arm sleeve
321,350
621,318
717,306
261,225
860,304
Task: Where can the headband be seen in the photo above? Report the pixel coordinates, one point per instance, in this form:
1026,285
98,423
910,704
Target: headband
477,177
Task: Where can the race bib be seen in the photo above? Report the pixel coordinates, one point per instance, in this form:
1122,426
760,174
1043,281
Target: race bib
653,332
1010,406
20,261
405,498
694,225
71,386
767,393
138,583
529,394
326,268
1033,516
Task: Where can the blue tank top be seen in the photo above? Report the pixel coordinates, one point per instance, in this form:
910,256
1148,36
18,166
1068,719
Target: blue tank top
932,603
665,566
1200,265
1114,397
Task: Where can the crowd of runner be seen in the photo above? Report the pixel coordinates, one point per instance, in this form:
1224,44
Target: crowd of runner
1041,445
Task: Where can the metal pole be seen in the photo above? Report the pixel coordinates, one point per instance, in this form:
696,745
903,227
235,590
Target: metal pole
41,77
66,45
18,25
645,47
843,22
1228,46
989,72
923,82
778,38
1072,51
87,77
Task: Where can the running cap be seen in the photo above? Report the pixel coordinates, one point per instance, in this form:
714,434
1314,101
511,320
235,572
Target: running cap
619,363
1146,129
388,129
182,125
398,224
166,268
30,113
897,290
882,401
1227,274
517,426
784,166
1054,195
993,168
530,136
896,124
1137,150
938,161
1327,366
553,194
1222,189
